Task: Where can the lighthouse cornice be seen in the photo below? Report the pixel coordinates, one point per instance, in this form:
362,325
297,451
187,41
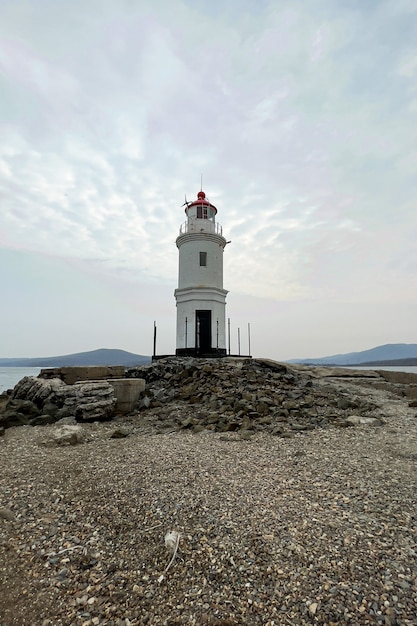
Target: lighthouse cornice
200,293
203,236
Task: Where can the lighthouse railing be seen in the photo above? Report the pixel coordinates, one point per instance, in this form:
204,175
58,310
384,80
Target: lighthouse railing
198,226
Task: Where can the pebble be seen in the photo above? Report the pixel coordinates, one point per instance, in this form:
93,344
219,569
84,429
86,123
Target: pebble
263,540
7,514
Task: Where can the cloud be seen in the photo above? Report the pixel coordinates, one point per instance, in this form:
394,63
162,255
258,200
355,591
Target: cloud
301,118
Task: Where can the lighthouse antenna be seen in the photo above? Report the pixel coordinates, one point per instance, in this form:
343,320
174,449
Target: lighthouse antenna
201,182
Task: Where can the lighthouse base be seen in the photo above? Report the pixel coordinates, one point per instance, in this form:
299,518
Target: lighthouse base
211,353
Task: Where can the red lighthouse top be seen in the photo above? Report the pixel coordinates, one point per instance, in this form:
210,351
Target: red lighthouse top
201,201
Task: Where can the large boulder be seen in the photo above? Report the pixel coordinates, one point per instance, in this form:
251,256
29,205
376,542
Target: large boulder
37,390
24,404
39,401
86,401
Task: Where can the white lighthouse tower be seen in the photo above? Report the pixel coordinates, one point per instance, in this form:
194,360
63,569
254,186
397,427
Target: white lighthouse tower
200,297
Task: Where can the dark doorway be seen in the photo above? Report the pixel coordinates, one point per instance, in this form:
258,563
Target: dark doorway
203,331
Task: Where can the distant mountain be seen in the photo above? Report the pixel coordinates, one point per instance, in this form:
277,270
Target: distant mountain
387,352
103,356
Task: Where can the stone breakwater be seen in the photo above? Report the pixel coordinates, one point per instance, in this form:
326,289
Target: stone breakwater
221,395
252,395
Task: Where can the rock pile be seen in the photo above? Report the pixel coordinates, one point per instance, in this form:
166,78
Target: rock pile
245,395
37,401
222,395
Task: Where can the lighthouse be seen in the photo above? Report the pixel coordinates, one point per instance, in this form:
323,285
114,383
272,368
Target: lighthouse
200,297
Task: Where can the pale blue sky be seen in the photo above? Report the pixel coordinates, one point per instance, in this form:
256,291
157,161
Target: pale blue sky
302,117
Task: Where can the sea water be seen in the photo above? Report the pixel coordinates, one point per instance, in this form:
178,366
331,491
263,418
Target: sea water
10,376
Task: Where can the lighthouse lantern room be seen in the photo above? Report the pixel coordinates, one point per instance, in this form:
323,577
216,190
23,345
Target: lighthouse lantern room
200,297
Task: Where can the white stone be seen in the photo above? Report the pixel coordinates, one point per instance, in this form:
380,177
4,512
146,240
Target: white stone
68,435
355,420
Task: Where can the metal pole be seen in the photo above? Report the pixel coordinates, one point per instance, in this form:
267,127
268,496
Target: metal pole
186,331
228,328
238,340
154,338
249,337
217,334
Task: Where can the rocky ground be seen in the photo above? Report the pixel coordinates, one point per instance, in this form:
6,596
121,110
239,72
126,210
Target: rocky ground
290,493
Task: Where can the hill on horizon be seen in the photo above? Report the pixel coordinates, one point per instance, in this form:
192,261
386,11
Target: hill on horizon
387,352
102,356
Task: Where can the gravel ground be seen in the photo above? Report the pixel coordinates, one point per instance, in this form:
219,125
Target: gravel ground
317,529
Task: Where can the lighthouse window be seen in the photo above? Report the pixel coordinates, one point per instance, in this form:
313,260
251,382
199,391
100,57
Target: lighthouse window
203,259
202,212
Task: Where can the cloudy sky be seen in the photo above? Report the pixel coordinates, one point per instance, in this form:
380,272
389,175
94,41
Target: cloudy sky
302,117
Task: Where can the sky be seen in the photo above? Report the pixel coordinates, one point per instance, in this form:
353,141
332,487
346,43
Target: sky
302,118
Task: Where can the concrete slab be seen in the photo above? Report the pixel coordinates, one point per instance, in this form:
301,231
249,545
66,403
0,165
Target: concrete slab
126,392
